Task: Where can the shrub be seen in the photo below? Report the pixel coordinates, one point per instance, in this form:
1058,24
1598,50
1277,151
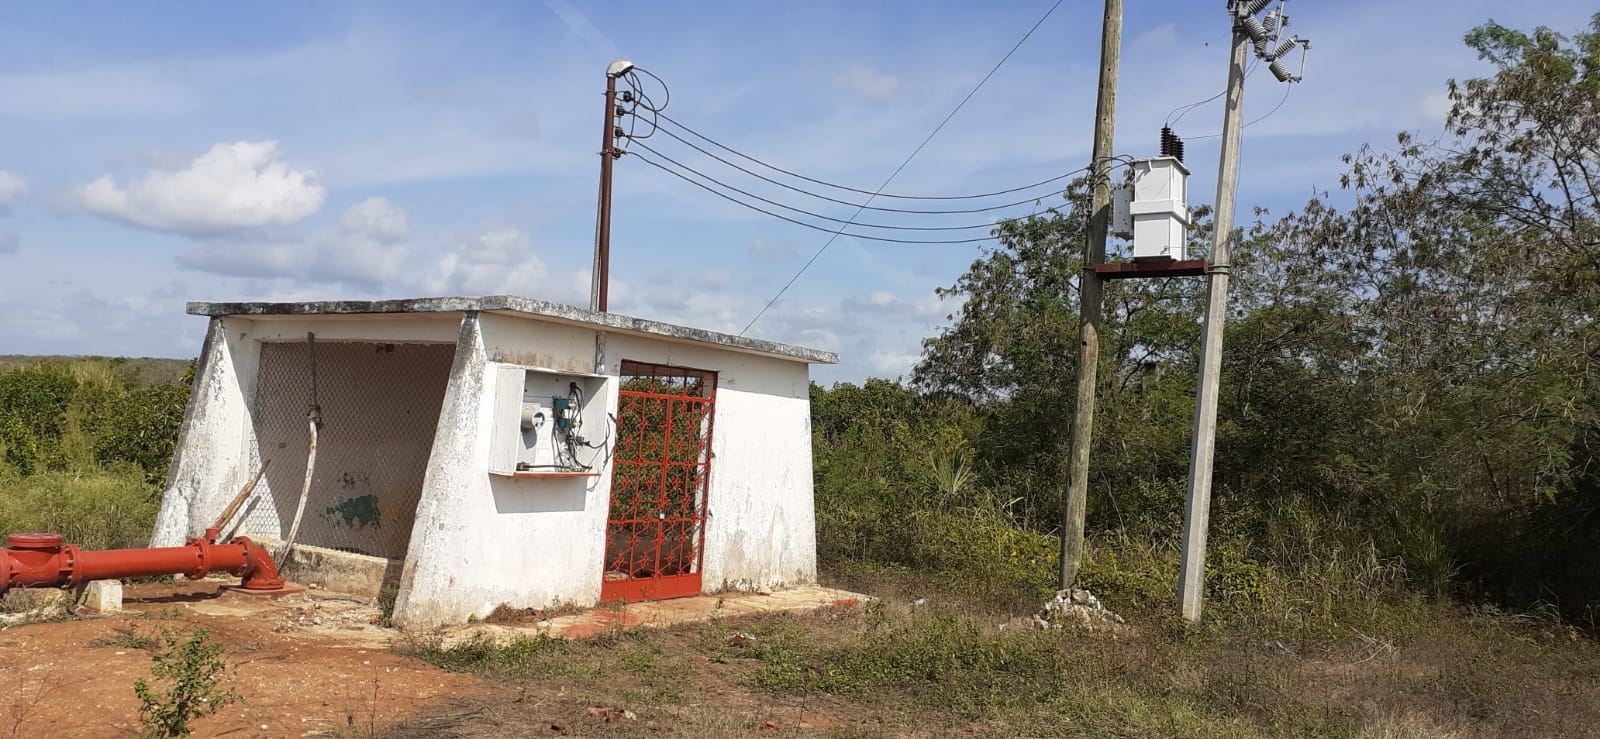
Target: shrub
189,675
104,509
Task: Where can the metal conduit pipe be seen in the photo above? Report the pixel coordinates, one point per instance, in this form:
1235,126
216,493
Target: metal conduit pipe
43,560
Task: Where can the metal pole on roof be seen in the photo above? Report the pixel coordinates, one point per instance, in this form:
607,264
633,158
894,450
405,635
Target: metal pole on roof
600,279
1090,292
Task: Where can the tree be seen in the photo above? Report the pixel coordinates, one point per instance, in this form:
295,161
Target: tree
1466,280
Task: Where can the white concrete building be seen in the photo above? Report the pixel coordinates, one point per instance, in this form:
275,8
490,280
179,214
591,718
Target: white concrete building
474,452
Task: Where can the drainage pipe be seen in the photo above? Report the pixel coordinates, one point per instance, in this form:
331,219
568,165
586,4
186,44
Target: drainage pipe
43,560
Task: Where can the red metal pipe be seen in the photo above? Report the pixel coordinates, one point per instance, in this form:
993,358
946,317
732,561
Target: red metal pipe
43,560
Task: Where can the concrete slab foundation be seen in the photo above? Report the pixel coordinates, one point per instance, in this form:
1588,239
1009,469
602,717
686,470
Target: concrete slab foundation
662,613
331,569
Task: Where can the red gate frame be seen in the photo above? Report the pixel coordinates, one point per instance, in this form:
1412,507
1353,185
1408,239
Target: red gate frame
657,586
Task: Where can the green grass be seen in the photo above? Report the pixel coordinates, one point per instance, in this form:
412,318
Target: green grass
97,509
1427,669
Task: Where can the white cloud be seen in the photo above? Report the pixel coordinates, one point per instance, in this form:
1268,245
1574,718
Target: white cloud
12,187
123,90
500,260
370,251
9,243
892,363
376,219
242,185
366,247
867,82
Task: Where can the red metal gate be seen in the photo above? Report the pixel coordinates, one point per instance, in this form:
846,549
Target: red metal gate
660,475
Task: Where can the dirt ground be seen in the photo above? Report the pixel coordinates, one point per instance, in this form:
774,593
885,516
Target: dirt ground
310,664
316,664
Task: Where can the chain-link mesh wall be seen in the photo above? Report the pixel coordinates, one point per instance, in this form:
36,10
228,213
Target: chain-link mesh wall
380,405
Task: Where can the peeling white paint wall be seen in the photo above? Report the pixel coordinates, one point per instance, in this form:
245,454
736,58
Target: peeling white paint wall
483,540
478,540
762,526
211,444
218,451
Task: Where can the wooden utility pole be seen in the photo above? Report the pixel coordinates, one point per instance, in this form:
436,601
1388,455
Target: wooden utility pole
1197,512
1090,290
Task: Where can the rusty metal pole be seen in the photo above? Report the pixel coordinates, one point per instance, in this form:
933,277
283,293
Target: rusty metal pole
1090,297
600,285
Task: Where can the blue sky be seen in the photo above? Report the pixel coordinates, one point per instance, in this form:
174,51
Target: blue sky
162,152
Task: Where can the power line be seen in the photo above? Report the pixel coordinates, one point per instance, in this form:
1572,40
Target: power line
1191,106
797,222
852,222
1268,114
820,196
897,170
825,183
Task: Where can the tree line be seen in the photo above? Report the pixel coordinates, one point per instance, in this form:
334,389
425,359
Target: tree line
1411,376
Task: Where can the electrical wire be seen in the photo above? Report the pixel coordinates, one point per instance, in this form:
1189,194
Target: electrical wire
797,222
1249,70
820,196
641,99
1268,114
813,214
897,170
825,183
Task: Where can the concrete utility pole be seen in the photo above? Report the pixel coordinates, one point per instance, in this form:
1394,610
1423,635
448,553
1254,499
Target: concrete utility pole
1197,513
1090,291
1271,49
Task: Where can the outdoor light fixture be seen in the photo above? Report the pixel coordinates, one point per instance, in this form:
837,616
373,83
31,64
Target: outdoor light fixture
618,68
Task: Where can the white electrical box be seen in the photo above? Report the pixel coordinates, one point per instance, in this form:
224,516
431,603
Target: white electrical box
549,423
1159,208
1121,214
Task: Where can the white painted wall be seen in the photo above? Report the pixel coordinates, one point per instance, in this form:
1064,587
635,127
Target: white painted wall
218,451
762,528
483,540
480,540
211,444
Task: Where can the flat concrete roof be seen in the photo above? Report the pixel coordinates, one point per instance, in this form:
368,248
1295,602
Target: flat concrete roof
528,307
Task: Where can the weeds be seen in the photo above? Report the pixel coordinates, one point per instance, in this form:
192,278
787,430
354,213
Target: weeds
386,599
188,676
126,638
26,696
522,656
352,719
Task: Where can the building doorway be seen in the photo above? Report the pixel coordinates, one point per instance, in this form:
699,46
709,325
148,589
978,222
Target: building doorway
661,472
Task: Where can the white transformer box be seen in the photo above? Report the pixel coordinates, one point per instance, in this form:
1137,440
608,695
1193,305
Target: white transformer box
1154,210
